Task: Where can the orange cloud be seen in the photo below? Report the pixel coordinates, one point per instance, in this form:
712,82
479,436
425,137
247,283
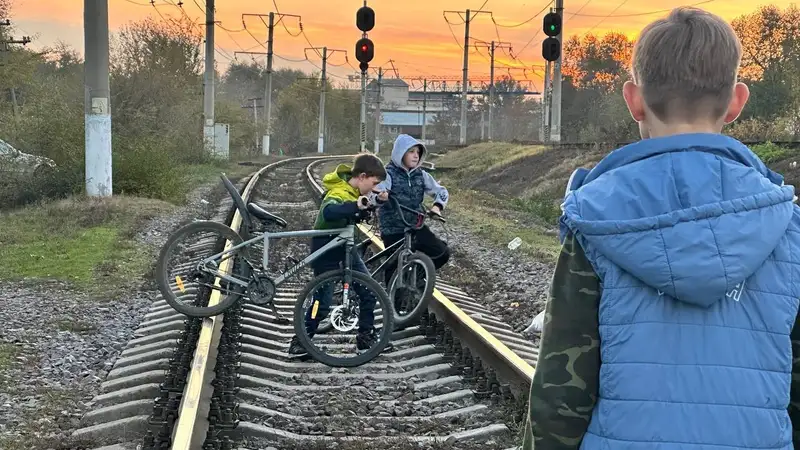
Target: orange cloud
414,34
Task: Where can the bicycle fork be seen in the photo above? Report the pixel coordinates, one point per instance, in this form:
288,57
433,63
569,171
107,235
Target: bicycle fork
348,275
346,283
402,258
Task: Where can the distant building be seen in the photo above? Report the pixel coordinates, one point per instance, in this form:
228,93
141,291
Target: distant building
402,110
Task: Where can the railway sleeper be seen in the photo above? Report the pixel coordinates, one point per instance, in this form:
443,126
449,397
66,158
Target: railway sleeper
232,418
136,406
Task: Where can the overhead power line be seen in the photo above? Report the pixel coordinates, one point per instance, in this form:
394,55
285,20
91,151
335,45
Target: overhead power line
648,13
526,21
621,4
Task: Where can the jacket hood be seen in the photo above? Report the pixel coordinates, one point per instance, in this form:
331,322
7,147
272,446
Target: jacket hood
402,144
690,215
336,182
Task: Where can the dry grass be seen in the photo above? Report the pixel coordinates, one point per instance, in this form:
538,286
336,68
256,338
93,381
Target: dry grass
502,191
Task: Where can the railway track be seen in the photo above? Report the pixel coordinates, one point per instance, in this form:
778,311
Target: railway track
153,365
459,380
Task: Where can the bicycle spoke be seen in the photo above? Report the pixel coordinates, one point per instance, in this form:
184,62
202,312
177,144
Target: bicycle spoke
357,335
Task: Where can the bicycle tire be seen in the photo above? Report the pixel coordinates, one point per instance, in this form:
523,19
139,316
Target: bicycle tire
412,317
162,277
324,358
324,327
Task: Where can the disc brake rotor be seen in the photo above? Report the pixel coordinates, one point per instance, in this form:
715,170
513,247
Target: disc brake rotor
343,320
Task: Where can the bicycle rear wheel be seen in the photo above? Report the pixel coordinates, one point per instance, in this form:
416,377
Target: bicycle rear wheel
329,348
187,287
419,279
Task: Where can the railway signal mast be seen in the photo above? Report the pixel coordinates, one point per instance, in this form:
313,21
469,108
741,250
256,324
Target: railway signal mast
551,52
365,51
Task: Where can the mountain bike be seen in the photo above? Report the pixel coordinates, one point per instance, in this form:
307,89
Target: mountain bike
411,288
250,282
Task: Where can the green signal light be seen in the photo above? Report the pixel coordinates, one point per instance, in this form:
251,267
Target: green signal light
552,28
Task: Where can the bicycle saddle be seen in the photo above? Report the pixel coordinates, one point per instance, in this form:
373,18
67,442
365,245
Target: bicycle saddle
264,215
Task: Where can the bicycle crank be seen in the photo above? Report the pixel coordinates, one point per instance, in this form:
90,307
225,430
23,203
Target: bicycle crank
261,290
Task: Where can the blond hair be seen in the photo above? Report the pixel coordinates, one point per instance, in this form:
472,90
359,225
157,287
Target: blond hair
687,64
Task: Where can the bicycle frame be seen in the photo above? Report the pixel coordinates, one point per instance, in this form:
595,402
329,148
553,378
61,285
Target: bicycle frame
395,253
406,242
345,237
401,249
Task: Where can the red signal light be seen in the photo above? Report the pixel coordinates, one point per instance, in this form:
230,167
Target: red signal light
364,50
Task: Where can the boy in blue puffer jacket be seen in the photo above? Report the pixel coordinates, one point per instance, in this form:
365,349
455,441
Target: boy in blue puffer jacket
672,318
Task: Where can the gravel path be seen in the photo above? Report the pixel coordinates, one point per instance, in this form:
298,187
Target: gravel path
58,344
511,284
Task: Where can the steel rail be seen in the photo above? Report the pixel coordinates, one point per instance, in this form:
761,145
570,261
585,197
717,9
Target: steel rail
192,422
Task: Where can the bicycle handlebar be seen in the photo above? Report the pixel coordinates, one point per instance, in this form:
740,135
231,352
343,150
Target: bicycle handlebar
420,214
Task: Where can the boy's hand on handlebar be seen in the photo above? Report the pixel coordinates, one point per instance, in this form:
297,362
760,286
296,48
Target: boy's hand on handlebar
436,213
382,196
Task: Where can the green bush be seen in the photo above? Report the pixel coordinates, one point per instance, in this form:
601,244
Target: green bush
142,168
756,129
543,206
769,152
20,190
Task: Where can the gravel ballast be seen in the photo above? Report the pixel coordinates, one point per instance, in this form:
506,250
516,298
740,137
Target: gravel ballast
511,284
58,344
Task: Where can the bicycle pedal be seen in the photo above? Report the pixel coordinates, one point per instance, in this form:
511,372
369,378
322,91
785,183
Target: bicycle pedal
301,357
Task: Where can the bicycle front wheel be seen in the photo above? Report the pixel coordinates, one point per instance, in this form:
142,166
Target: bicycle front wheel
187,287
350,342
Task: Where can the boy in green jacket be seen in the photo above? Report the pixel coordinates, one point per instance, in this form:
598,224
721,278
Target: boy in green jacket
346,198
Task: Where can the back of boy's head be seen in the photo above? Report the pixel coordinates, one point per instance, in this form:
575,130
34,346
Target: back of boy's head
686,65
370,165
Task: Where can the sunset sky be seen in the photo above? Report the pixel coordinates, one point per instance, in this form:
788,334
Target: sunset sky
416,36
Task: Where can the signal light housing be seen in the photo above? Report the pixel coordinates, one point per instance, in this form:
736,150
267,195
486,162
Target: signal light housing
365,50
552,24
551,49
365,18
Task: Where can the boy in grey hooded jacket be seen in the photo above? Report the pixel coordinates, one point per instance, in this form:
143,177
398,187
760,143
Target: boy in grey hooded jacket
409,183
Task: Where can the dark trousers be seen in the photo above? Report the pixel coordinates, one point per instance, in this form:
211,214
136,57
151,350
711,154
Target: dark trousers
367,301
425,241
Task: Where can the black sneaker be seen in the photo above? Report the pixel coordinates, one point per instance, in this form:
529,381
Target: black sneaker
401,300
365,341
296,349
